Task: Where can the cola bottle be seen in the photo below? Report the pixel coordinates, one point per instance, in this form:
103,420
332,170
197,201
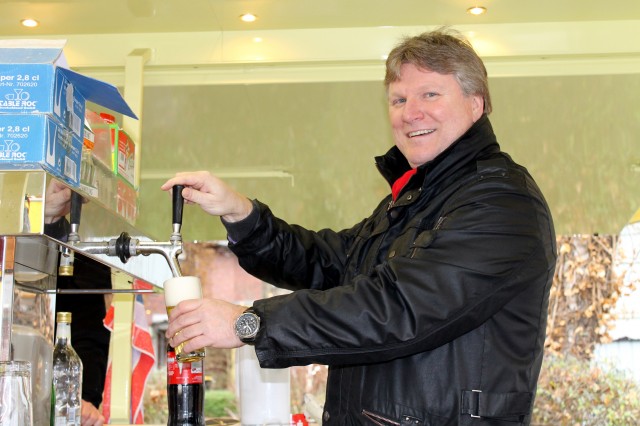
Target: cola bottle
185,391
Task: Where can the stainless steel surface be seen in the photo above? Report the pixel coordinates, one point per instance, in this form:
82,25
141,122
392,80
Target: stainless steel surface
27,316
21,190
29,261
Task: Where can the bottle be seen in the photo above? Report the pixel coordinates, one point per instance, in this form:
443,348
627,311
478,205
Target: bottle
185,391
67,376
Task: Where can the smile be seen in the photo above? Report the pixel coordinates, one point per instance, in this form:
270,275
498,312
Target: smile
419,133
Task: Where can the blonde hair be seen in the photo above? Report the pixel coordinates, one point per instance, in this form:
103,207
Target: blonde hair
444,51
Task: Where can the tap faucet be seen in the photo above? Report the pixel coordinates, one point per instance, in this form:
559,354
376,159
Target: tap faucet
67,259
125,246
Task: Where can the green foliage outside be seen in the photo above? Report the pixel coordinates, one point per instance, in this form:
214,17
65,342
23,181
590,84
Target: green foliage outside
219,403
575,392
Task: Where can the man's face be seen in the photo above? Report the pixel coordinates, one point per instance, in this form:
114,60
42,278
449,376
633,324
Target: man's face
428,112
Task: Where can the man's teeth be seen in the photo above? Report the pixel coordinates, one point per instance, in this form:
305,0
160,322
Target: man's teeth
420,133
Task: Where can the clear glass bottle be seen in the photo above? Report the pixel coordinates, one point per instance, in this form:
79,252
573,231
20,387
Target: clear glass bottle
67,376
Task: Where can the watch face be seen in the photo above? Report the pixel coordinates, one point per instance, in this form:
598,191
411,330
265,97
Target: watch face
247,325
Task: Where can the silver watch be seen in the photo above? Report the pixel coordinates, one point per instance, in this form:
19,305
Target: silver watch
247,326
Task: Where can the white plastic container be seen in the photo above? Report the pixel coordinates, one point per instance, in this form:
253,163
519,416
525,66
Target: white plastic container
264,394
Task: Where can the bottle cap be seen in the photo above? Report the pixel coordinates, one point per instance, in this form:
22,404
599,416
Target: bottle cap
64,317
108,117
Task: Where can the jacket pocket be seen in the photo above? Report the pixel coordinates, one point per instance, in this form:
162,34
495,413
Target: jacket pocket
381,420
422,241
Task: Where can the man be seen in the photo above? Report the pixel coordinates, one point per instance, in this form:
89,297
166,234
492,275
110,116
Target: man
432,311
89,337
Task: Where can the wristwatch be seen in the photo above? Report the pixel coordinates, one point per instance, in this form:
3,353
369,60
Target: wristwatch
247,326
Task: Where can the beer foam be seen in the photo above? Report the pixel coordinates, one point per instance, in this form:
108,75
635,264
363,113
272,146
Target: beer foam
178,289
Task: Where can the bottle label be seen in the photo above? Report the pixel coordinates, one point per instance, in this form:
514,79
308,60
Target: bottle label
183,373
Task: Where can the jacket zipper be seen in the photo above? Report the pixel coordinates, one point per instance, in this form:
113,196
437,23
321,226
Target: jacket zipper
441,219
377,419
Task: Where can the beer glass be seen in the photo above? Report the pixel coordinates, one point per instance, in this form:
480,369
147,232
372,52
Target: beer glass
176,290
15,393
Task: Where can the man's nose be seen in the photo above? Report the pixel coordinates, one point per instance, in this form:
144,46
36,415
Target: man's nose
412,111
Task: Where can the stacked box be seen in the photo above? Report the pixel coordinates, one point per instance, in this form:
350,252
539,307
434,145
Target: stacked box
29,141
115,149
112,146
42,89
33,85
127,201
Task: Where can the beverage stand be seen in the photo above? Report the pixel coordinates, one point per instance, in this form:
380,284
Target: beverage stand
29,262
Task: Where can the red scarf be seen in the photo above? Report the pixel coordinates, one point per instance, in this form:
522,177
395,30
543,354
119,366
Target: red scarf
401,182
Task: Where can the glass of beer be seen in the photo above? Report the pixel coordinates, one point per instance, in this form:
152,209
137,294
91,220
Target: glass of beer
176,290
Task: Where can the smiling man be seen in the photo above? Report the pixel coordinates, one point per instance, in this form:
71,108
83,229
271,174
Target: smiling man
432,311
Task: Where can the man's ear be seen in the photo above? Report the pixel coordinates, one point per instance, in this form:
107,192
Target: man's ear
477,107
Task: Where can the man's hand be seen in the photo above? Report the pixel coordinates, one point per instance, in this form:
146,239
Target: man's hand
204,322
57,201
212,194
90,415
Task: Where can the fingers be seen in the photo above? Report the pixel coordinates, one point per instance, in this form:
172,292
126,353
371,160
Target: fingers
182,317
201,323
56,186
194,344
192,179
57,203
90,416
213,195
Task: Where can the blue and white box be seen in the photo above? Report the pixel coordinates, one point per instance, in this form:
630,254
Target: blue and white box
42,108
30,141
34,79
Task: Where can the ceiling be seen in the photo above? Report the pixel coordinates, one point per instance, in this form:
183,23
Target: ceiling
204,41
66,17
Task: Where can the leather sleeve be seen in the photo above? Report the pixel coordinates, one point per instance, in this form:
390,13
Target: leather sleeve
290,256
493,243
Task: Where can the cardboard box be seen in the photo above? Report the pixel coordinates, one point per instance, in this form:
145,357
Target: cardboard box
102,147
42,103
127,201
114,148
125,156
33,79
31,141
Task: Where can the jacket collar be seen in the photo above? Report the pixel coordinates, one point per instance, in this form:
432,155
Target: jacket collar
477,141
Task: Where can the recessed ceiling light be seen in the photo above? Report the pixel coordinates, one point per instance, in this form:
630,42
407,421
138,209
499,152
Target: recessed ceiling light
477,10
29,23
248,17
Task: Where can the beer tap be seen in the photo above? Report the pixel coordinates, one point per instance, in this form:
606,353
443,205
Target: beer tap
67,258
125,246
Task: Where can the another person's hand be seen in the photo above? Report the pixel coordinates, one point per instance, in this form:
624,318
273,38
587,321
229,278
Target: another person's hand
204,322
90,415
212,194
57,201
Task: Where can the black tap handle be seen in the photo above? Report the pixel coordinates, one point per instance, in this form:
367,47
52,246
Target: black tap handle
76,208
178,204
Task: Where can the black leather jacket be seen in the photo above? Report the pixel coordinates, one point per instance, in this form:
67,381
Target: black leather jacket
432,311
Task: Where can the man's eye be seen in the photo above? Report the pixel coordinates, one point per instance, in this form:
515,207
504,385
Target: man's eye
430,95
398,101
